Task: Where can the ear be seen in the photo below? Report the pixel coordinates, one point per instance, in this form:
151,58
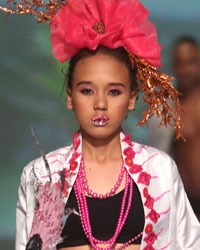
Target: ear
132,100
69,103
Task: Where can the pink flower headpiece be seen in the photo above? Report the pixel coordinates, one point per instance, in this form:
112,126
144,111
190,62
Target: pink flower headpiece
78,24
111,23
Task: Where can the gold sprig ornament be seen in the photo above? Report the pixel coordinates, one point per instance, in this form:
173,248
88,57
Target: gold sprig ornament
159,94
43,11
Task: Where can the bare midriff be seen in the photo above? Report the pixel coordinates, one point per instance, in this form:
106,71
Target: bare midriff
187,154
87,247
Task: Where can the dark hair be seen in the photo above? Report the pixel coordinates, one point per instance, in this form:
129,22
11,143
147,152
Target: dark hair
120,53
186,39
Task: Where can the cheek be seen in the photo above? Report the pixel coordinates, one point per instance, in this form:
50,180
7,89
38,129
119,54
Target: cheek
78,103
81,108
122,109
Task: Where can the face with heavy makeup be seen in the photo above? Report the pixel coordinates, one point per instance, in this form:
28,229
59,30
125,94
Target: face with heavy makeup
100,95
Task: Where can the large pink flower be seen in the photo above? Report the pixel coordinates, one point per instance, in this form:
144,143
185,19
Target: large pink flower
122,23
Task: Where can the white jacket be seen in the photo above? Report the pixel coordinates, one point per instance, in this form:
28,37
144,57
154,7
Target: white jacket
166,205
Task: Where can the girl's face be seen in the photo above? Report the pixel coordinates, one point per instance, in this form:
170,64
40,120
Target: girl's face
101,95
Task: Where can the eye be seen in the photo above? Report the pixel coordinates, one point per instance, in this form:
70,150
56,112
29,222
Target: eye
114,92
86,91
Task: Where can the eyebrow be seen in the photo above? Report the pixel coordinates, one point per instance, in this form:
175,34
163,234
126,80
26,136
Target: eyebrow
83,82
110,84
115,84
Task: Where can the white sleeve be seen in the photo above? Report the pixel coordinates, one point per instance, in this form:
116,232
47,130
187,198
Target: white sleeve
187,225
21,210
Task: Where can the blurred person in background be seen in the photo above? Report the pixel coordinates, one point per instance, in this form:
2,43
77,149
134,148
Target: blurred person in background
186,69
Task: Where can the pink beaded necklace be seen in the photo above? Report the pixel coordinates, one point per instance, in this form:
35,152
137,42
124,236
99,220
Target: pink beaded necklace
95,195
83,208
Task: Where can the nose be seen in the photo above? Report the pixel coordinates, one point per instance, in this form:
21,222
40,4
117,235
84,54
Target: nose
100,102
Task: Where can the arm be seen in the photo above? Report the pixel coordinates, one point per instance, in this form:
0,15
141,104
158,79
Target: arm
187,225
21,228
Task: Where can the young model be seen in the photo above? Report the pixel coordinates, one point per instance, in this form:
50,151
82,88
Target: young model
107,191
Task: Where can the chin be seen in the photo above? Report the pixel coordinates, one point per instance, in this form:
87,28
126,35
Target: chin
101,133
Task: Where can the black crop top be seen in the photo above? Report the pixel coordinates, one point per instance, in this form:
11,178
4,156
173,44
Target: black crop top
104,215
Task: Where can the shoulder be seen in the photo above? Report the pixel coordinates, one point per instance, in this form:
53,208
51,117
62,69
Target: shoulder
161,169
36,169
144,151
155,160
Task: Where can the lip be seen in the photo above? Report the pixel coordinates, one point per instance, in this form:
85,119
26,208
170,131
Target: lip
100,120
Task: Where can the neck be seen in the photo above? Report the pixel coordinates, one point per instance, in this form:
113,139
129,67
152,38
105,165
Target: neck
186,92
101,149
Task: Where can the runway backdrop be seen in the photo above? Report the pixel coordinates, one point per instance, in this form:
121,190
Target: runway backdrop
30,86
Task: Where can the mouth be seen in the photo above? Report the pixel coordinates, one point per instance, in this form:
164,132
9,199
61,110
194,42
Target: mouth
100,121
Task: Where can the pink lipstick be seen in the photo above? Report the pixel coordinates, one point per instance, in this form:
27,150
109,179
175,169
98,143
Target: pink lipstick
100,120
